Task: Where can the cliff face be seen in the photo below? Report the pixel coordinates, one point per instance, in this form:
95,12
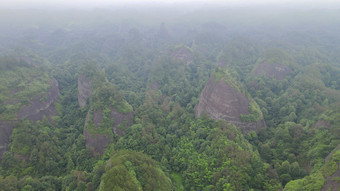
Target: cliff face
277,71
120,118
84,90
96,142
219,100
37,109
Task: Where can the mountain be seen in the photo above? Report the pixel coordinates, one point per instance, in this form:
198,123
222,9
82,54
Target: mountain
223,99
218,98
274,63
27,93
138,171
108,112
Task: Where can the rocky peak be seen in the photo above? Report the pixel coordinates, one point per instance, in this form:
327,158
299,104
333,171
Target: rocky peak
221,100
37,109
95,141
84,90
109,114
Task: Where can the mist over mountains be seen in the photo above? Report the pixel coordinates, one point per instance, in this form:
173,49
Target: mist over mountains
175,96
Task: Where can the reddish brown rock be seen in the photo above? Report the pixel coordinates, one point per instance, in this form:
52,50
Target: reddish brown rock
220,101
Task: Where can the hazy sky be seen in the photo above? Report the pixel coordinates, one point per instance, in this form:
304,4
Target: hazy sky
105,3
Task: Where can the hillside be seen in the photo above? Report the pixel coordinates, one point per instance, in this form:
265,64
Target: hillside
210,99
224,99
27,93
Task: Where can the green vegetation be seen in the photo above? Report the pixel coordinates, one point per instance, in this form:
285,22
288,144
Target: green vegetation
128,170
104,99
19,83
221,73
255,113
135,73
276,56
313,182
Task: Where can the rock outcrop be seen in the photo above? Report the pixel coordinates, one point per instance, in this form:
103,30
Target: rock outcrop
38,109
96,142
35,111
278,71
84,90
220,101
120,118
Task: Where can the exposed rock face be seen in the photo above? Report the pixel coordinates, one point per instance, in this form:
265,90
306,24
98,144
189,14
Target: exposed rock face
183,54
84,90
97,142
222,101
97,118
277,71
37,109
120,118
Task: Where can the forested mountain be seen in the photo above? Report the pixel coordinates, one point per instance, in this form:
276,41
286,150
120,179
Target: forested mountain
160,99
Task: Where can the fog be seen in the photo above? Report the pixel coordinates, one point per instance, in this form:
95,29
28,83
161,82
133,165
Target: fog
90,4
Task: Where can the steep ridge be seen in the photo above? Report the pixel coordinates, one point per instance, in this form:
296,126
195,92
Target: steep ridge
84,90
26,93
108,113
37,109
222,100
96,139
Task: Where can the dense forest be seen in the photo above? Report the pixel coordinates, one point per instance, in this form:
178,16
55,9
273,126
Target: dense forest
214,99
